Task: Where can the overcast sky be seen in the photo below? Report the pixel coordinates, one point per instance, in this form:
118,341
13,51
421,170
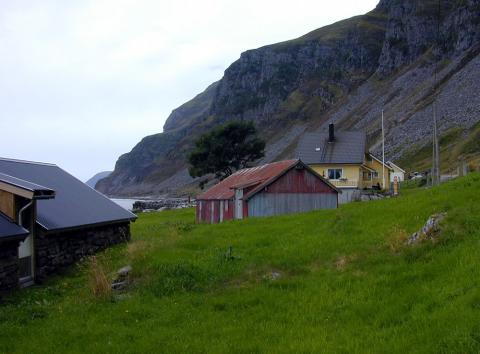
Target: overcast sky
81,82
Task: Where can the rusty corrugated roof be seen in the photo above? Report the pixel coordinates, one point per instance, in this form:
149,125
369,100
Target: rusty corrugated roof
249,177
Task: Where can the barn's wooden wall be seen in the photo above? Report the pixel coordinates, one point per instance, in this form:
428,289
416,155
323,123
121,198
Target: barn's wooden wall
299,181
268,204
214,211
7,204
295,192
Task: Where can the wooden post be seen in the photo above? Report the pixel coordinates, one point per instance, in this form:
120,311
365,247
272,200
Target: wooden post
395,185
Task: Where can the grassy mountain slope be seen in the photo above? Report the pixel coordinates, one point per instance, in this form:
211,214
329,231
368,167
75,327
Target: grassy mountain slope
455,144
346,283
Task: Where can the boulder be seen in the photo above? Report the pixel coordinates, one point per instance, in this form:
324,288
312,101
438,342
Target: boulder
124,271
429,231
123,278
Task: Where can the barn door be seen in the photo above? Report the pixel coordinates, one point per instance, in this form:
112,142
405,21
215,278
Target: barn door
25,260
238,204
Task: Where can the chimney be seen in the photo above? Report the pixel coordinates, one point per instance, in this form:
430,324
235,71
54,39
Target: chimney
331,133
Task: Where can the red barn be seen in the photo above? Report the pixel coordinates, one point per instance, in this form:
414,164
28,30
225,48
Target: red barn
277,188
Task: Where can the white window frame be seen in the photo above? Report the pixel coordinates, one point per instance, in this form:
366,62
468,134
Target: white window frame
333,169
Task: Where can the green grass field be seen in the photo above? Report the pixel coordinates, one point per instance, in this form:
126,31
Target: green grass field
347,283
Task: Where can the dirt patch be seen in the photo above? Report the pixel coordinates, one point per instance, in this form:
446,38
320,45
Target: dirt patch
255,276
316,265
342,262
396,240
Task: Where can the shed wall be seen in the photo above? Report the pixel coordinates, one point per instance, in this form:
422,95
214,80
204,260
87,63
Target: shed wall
348,195
7,204
295,192
54,251
299,181
214,211
268,204
400,176
8,265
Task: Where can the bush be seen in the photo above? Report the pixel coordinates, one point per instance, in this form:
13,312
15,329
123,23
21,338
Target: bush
98,280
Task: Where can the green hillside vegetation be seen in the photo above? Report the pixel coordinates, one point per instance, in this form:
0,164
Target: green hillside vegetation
455,144
371,23
327,281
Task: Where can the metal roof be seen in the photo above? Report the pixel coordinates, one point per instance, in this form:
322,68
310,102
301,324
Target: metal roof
36,189
349,147
75,204
8,229
380,162
256,177
248,176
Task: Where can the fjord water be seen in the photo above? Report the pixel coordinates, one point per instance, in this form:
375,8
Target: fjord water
125,203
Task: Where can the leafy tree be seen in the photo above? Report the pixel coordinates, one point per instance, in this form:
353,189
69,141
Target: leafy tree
226,149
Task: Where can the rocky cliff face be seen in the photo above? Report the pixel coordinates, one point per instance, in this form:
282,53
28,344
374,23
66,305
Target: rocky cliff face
322,65
346,72
415,27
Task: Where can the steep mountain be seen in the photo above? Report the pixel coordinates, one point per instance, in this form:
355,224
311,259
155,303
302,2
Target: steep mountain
97,177
347,73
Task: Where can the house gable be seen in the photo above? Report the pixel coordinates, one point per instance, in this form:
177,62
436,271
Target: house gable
299,181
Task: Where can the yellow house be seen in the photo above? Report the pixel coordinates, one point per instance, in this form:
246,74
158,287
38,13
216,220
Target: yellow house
343,159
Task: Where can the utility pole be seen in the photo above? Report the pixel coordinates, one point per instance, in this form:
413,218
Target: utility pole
383,154
436,145
434,153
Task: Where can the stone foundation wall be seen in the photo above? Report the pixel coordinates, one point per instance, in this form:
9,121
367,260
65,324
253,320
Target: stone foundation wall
57,250
8,265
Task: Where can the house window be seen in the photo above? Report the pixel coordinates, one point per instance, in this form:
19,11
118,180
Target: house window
375,174
335,173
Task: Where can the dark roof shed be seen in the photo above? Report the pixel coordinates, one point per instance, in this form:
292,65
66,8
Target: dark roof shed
75,204
9,229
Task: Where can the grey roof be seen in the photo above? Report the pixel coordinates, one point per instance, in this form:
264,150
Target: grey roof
349,147
8,229
38,190
75,204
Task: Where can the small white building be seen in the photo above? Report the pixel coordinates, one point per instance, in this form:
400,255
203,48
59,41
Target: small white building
398,172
